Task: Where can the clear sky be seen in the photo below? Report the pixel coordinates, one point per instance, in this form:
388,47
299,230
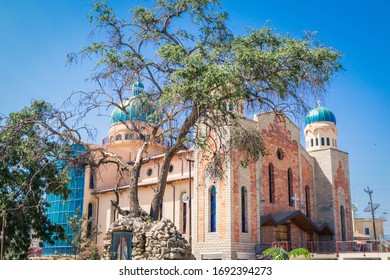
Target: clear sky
36,35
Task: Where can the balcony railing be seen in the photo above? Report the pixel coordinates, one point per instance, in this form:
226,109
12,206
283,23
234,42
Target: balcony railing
328,247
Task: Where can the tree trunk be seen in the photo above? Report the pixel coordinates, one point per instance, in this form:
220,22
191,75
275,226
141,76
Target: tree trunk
159,194
135,208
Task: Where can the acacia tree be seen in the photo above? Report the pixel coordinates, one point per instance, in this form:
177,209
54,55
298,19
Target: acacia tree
194,66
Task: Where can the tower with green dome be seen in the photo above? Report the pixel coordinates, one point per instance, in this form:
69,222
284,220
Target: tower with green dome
320,130
130,119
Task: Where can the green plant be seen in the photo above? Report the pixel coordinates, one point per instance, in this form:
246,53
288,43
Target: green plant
278,253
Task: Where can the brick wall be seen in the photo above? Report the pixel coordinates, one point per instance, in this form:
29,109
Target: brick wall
278,136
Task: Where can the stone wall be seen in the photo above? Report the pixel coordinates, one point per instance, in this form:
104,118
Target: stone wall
151,240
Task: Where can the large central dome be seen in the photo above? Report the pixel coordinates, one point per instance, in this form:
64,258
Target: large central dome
138,107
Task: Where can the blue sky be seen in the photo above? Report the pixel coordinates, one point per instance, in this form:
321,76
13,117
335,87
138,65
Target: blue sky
36,35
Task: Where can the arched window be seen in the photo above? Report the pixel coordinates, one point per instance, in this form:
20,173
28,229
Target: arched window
118,137
271,183
89,216
213,209
307,198
327,141
312,142
183,215
92,179
342,224
244,220
127,136
290,186
316,141
230,106
322,141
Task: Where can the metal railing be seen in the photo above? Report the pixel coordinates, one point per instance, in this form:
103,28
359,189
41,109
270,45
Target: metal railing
327,247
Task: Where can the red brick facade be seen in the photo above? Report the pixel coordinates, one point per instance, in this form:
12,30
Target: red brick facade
307,183
294,173
278,137
341,181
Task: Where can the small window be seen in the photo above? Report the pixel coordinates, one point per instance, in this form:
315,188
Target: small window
244,219
213,209
271,183
158,140
127,136
322,141
367,231
118,137
92,180
327,141
149,172
89,221
230,106
170,168
290,186
316,141
312,142
280,154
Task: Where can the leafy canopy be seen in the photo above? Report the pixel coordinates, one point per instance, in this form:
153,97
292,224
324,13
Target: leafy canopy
32,165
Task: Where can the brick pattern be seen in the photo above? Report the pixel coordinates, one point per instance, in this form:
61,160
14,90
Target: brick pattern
323,171
252,199
341,184
277,136
307,180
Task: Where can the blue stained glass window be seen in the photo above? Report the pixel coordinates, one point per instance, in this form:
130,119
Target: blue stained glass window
213,209
243,210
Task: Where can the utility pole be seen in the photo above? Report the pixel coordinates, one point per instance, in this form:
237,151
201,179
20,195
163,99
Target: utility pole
372,209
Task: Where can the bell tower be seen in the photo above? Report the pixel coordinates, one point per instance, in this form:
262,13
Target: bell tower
320,130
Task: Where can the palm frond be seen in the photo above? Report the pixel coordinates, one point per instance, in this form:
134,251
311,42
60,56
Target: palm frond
299,252
277,253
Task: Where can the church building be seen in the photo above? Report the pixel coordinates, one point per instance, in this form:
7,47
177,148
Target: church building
293,196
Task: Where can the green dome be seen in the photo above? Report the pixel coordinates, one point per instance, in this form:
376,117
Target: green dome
138,107
320,114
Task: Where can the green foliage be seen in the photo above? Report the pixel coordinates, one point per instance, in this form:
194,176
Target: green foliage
278,253
193,64
248,143
30,169
82,242
299,252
